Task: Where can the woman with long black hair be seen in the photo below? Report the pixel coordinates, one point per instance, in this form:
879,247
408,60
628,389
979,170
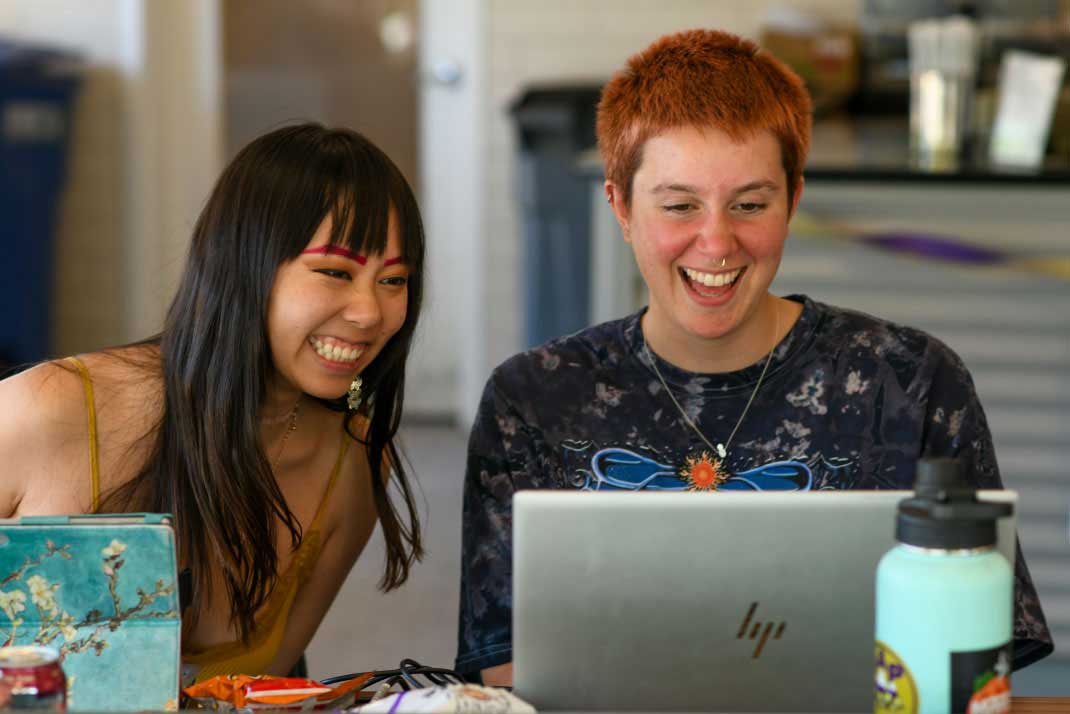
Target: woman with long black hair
264,415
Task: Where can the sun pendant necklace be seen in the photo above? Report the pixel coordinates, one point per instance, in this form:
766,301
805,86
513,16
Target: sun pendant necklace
706,471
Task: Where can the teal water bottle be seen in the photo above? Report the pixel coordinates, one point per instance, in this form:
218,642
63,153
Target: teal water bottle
944,602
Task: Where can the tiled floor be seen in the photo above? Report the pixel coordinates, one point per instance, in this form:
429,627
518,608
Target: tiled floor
366,629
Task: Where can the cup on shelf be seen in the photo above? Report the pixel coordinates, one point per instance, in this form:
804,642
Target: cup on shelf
943,68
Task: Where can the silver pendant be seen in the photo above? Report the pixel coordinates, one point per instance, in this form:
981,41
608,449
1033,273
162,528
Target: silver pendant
721,451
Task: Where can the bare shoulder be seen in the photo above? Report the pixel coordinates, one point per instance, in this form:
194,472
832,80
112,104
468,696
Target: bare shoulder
44,412
44,427
39,395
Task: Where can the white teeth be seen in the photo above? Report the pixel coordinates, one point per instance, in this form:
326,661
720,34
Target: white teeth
336,352
711,280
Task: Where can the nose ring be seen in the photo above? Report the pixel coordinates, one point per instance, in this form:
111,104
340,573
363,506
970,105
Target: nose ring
724,260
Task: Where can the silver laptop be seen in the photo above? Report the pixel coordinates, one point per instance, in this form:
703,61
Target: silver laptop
745,602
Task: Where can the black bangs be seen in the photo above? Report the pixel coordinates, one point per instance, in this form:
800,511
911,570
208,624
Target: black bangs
409,221
359,204
365,187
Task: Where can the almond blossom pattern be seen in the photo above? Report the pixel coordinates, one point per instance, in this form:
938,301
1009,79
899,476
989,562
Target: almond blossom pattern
69,633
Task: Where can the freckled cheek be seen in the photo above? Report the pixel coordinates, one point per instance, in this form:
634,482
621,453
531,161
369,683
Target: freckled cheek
665,244
394,315
276,324
763,244
295,320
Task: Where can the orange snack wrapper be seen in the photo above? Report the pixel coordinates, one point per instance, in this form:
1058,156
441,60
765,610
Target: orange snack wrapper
242,691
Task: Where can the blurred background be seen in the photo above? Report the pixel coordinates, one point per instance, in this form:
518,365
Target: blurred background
116,116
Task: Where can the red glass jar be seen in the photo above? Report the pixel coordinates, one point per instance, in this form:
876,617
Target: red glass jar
35,678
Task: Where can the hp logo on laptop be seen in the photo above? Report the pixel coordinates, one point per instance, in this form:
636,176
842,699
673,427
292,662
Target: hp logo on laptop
757,627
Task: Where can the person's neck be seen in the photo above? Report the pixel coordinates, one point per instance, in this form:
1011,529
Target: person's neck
750,343
279,403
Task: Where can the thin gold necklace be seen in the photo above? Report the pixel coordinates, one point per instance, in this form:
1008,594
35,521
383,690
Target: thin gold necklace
721,449
285,437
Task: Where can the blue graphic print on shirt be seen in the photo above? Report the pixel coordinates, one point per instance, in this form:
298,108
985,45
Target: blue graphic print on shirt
617,469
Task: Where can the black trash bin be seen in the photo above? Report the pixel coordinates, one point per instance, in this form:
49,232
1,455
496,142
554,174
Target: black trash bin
555,124
37,90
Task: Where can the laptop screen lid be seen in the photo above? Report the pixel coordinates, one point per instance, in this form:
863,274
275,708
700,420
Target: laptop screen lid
701,602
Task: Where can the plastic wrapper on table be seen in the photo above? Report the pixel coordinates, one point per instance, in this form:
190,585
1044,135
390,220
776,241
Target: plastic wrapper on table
242,692
467,698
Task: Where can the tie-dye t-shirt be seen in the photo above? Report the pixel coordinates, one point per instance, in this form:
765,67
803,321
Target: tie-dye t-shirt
848,402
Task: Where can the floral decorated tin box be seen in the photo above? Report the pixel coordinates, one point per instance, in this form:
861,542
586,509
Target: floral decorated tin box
102,590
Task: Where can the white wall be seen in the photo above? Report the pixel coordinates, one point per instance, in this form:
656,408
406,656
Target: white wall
449,357
173,145
145,149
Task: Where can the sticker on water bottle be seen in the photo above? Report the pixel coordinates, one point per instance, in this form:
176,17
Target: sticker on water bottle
894,689
981,681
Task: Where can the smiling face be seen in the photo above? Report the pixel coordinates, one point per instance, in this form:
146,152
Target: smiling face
707,222
332,311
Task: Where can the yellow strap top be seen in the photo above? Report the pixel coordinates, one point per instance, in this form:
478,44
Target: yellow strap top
91,417
253,658
237,657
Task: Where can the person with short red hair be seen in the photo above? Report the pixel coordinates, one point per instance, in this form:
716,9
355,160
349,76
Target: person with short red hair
744,91
718,384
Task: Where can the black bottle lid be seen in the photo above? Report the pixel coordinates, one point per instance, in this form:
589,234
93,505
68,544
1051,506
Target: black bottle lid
944,512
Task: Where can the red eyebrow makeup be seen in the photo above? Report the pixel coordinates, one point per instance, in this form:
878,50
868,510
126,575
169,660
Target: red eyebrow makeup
346,253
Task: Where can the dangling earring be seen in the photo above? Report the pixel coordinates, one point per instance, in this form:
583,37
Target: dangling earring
354,392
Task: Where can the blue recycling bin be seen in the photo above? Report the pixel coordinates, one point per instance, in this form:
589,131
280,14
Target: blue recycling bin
37,90
554,125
